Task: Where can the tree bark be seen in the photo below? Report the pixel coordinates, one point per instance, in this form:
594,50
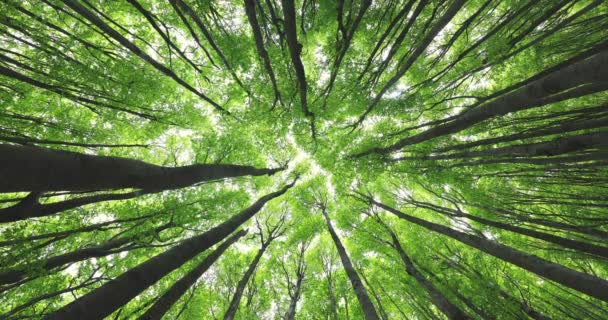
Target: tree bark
108,298
26,168
585,283
164,303
295,48
23,211
366,303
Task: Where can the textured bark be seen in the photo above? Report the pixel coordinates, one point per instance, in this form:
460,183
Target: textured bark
174,293
103,301
584,283
366,303
591,70
293,301
26,168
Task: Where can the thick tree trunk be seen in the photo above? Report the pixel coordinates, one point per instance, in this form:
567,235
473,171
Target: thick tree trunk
585,283
366,303
589,71
108,298
25,168
439,300
164,303
240,288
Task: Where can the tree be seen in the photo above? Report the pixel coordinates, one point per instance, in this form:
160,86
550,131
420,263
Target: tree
451,159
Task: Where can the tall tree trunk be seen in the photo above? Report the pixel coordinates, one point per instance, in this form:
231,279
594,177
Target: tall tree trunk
585,283
295,49
366,303
439,300
26,168
94,19
240,288
293,301
164,303
590,248
108,298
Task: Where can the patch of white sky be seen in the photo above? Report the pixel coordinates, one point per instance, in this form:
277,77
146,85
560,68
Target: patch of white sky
321,60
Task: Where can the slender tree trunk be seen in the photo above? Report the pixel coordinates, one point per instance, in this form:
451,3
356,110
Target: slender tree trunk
439,300
293,301
164,303
366,303
94,19
590,248
240,288
452,10
547,148
104,249
26,168
259,44
34,209
585,283
591,70
108,298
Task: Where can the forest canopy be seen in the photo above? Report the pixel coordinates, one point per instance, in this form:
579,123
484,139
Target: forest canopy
281,159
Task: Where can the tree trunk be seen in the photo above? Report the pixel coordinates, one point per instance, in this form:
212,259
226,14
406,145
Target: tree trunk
585,283
240,288
591,70
439,300
590,248
108,298
164,303
293,302
25,168
295,49
366,304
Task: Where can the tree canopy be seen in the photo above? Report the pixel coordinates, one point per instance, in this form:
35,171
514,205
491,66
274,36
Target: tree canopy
281,159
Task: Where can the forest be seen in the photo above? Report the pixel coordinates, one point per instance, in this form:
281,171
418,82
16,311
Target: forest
309,159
